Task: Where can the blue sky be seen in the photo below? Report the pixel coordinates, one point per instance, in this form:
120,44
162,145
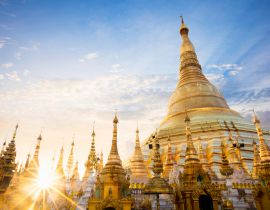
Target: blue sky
64,64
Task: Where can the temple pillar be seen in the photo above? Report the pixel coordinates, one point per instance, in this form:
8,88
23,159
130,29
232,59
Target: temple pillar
196,204
93,204
182,205
188,201
215,204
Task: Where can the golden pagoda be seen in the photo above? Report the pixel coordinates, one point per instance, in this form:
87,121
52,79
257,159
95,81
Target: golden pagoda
208,110
112,185
138,168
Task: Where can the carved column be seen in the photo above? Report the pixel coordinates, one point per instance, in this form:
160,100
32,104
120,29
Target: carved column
215,204
188,201
196,204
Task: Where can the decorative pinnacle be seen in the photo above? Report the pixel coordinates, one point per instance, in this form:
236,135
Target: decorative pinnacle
137,138
115,120
114,150
27,161
73,138
191,153
157,166
225,169
93,132
187,119
255,118
15,132
39,138
183,28
182,19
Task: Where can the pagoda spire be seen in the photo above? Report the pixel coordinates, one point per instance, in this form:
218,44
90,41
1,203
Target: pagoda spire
75,174
137,166
191,153
137,145
59,167
33,165
203,160
188,58
15,132
225,168
264,168
169,160
35,159
100,164
114,156
157,165
91,162
70,159
27,161
191,78
93,146
263,147
256,161
10,156
114,163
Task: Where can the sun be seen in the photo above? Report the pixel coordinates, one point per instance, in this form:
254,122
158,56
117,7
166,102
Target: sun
45,178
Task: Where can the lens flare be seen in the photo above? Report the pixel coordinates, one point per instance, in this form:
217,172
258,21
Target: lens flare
45,178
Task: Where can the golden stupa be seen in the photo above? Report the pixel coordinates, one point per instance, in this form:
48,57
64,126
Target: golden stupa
139,173
212,120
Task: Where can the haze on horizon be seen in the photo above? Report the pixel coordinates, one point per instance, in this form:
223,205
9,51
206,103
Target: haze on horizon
65,64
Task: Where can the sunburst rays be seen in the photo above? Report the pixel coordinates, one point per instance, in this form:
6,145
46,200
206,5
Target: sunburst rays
45,190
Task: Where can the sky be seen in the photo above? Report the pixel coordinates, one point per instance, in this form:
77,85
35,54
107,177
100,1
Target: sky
67,64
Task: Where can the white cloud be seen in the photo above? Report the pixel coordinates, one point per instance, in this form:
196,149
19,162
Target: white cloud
89,56
217,79
7,65
33,47
23,50
141,96
18,55
26,72
2,76
13,76
76,103
231,69
116,68
4,41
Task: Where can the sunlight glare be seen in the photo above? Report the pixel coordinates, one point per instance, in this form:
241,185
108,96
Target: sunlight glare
45,179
